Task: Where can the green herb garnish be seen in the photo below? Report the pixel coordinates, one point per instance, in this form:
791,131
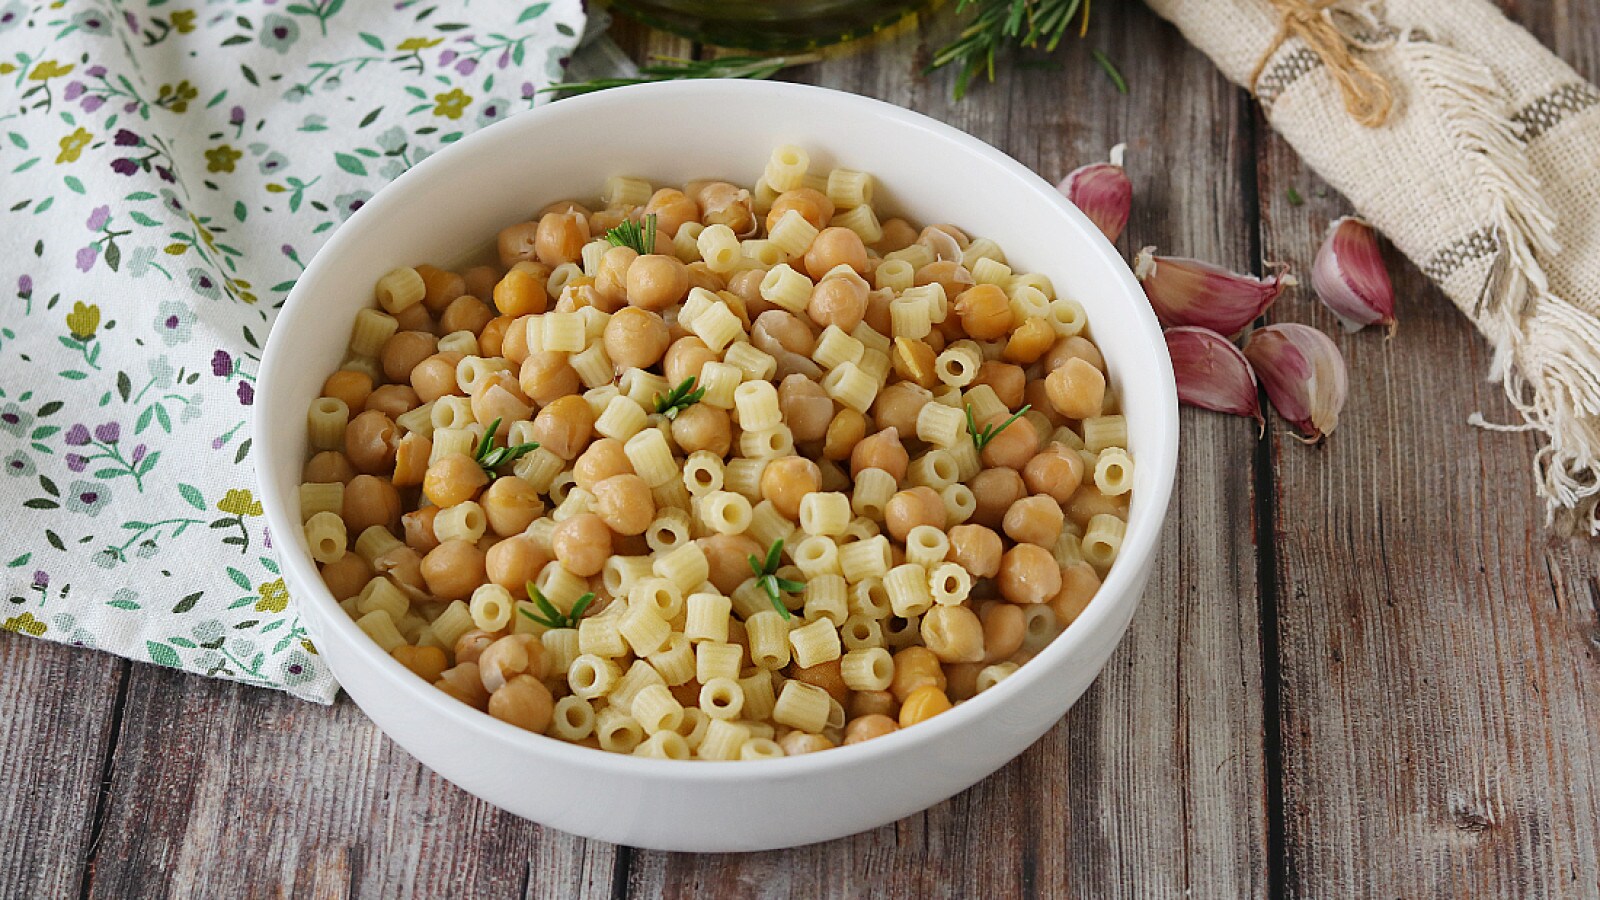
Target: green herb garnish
997,23
672,68
766,572
639,236
491,457
1110,68
555,618
679,399
1294,197
981,439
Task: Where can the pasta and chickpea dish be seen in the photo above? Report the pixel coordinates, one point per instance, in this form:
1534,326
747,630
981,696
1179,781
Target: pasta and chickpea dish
718,473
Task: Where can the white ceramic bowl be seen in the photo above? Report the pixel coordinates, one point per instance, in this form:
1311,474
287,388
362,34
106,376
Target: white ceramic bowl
670,133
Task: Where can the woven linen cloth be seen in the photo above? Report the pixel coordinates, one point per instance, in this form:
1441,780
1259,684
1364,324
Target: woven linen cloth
166,170
1485,174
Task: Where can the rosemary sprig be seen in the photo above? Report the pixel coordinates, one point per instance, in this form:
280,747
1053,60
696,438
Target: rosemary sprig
1120,83
490,457
552,617
640,236
981,439
672,68
766,572
997,23
679,398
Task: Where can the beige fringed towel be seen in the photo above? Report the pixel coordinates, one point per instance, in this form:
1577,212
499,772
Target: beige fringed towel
1477,152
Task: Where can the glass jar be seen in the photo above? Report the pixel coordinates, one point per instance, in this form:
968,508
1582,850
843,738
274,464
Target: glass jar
774,26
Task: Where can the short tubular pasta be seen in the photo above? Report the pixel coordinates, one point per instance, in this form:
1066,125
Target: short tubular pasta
651,457
573,719
860,632
452,623
726,512
723,740
949,584
490,607
371,331
462,342
866,559
621,192
720,380
767,443
621,420
835,347
936,469
926,545
769,639
462,522
325,535
814,643
867,669
941,425
617,731
713,660
721,698
756,406
325,423
848,189
1028,302
685,567
378,626
851,386
783,286
989,676
656,710
824,513
861,220
958,365
873,489
911,316
380,594
1113,472
907,586
1067,316
1100,432
802,706
825,598
702,473
707,618
743,477
753,365
719,247
672,530
817,555
786,168
1102,540
792,234
316,497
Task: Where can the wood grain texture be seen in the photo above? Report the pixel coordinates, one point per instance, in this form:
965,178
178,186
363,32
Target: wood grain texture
1154,784
57,714
1438,647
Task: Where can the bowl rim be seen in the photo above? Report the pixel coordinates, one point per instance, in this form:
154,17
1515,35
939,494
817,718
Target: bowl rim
1116,592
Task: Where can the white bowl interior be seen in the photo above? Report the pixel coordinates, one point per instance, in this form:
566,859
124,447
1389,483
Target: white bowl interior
455,202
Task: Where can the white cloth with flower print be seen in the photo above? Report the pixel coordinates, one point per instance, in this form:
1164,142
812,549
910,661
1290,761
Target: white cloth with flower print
166,169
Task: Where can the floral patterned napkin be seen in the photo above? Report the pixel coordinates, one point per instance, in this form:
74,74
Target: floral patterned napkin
166,169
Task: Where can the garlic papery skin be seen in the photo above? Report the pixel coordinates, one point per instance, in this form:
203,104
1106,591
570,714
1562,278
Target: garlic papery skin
1304,375
1186,291
1350,277
1212,373
1103,192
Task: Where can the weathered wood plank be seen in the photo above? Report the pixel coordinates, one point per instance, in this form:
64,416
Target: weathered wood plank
1154,784
57,715
253,793
1438,647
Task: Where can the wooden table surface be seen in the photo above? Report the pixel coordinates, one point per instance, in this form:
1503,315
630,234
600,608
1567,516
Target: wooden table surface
1362,669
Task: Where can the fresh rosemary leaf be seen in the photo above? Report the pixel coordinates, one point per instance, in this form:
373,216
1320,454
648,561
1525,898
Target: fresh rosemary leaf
679,398
1111,70
766,572
981,438
490,457
997,24
639,236
548,615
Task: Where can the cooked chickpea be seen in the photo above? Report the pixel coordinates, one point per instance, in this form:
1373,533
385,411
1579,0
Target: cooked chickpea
747,285
463,683
522,291
963,680
985,311
722,203
798,743
948,274
813,206
369,443
404,350
393,400
923,704
1029,574
411,459
1006,380
470,646
807,408
1088,502
685,359
564,426
1056,471
603,459
328,467
897,235
1075,347
702,427
515,561
508,657
878,316
479,281
1004,627
1077,389
370,500
908,509
635,339
657,281
517,242
1029,341
435,377
503,400
701,276
510,505
428,663
995,491
346,577
779,329
835,246
672,208
976,549
838,301
728,557
845,431
786,480
525,702
545,376
1011,447
465,313
881,451
583,544
441,286
1078,586
1034,520
351,387
865,728
625,503
825,675
454,569
560,237
898,405
914,362
491,341
953,633
453,478
872,703
417,527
